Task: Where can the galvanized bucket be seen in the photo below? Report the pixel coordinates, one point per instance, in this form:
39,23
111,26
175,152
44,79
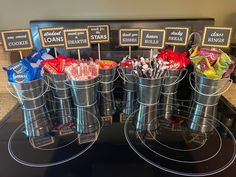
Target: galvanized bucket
37,121
58,86
148,90
84,93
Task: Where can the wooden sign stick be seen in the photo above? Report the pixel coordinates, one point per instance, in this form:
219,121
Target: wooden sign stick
174,48
151,53
21,56
79,57
99,51
129,51
55,52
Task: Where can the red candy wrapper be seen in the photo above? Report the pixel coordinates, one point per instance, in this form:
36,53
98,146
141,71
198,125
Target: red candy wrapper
82,70
128,62
212,55
176,60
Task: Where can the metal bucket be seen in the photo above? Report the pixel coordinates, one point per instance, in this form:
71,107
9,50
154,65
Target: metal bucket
64,110
109,87
58,86
168,106
37,122
206,96
33,104
29,90
172,80
202,118
106,99
129,102
107,75
146,118
86,119
209,87
148,90
128,78
106,102
84,93
206,100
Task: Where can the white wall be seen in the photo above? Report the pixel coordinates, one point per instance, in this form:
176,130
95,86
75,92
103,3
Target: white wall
17,13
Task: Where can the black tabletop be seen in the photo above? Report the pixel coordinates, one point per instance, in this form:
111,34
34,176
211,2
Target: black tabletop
110,155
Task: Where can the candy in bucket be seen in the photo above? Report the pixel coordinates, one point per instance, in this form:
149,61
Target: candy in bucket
176,72
30,87
211,79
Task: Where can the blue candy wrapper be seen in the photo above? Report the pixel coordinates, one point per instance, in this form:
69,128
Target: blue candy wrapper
27,69
36,56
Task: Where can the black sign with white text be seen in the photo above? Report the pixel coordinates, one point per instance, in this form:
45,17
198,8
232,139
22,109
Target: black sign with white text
176,35
216,37
17,40
152,38
129,37
76,38
99,33
51,37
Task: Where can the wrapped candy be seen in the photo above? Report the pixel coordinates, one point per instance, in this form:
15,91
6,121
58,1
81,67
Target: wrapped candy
82,70
212,63
128,62
150,68
176,60
27,69
57,65
23,71
106,64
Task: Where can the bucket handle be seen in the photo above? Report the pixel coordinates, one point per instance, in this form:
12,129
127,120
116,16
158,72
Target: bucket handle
190,81
123,76
82,87
101,93
26,98
110,81
179,78
217,91
52,87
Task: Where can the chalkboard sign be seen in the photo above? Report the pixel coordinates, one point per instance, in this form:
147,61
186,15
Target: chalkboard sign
17,40
76,38
177,35
152,38
51,37
129,37
99,33
216,37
